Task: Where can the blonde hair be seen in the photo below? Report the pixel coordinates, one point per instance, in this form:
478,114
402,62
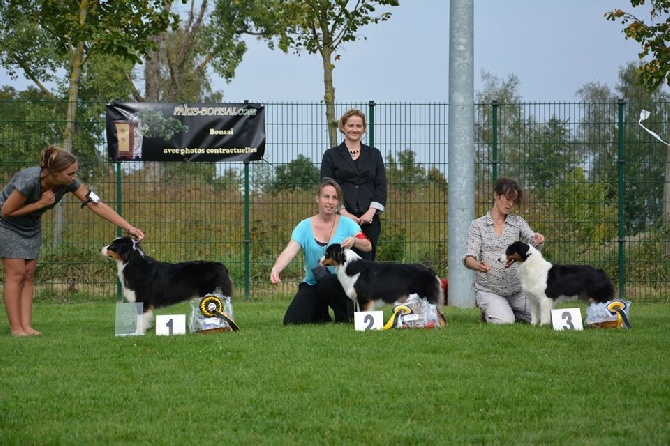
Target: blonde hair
348,114
55,159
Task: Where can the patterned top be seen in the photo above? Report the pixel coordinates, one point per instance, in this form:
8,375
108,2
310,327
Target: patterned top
485,245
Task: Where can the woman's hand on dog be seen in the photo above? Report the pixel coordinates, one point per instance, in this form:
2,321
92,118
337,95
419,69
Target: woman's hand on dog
349,242
136,232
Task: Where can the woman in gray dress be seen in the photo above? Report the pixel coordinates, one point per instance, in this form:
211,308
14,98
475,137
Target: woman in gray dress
23,200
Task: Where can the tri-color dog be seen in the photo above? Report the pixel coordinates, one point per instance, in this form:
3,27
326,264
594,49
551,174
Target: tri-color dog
367,282
159,284
545,283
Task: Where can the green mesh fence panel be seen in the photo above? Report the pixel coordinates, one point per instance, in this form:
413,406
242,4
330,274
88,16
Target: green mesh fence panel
594,183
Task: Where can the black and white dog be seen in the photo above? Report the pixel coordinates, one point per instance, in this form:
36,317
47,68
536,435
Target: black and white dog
159,284
367,282
545,283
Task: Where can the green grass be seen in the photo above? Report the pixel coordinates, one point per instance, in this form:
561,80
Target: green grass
267,384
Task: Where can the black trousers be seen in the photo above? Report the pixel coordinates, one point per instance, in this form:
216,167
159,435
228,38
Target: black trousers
371,231
312,302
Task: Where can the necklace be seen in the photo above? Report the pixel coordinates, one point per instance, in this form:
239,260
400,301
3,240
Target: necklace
353,152
325,244
331,229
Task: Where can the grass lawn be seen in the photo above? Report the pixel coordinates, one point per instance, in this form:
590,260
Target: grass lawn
267,384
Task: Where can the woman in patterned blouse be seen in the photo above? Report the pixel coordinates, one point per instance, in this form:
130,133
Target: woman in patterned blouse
497,289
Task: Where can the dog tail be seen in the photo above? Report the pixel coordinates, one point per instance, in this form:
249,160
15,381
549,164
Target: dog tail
441,299
440,291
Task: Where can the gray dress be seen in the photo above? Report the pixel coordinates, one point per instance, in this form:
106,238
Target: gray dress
21,237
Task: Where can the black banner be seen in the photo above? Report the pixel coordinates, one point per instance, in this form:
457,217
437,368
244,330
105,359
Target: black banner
185,132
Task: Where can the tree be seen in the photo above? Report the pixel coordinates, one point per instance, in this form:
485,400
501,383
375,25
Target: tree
314,26
404,173
40,38
299,174
177,70
510,125
19,138
552,158
653,35
645,159
598,127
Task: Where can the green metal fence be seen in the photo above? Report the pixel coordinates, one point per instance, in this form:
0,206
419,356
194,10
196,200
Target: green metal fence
594,183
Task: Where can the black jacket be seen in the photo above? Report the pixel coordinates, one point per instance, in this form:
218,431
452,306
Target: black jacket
362,181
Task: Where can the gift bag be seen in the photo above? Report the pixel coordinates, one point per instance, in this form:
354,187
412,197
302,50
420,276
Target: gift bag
611,314
415,312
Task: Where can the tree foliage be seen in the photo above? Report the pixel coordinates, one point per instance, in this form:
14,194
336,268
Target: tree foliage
43,39
29,120
553,156
653,35
645,159
500,100
314,26
177,70
299,174
403,172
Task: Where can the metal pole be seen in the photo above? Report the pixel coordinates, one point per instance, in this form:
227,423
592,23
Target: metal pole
461,170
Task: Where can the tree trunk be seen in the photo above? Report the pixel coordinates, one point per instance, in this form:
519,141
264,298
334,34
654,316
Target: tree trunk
152,71
153,82
76,62
329,90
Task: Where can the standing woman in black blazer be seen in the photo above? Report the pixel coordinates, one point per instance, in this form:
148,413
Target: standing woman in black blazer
359,170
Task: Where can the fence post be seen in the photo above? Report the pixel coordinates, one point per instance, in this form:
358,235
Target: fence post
247,237
620,174
494,140
371,123
119,232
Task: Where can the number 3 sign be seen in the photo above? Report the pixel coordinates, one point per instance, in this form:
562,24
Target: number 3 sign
567,319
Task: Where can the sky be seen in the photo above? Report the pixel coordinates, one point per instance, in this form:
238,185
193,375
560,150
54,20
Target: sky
554,47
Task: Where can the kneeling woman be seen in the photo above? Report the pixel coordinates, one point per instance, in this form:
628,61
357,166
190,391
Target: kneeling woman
313,235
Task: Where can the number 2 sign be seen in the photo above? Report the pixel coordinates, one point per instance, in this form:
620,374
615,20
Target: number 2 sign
368,320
